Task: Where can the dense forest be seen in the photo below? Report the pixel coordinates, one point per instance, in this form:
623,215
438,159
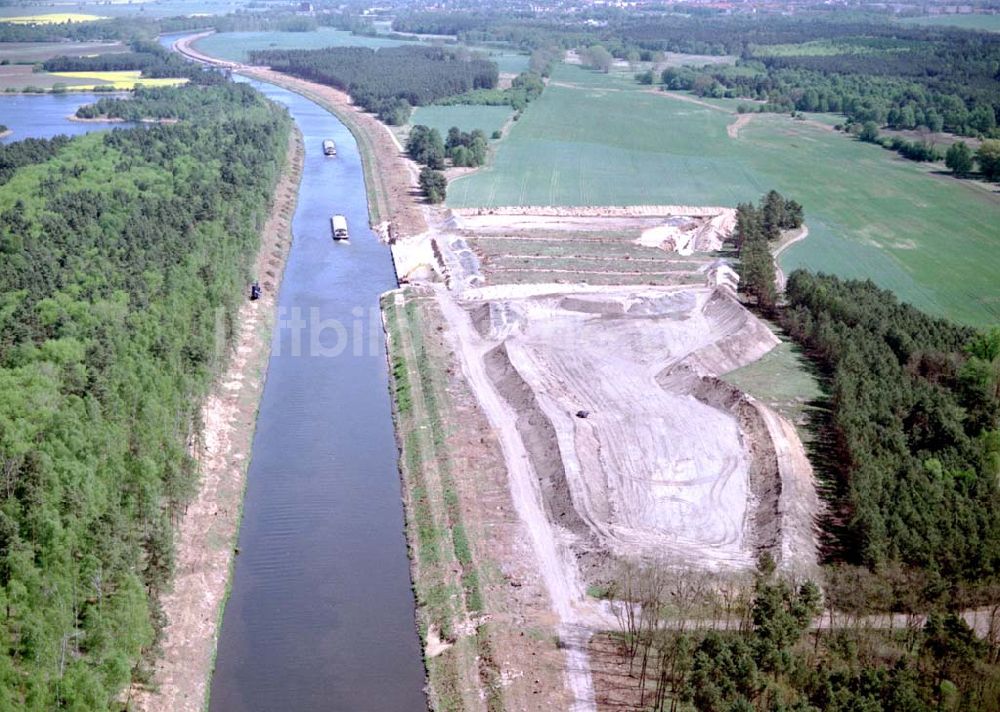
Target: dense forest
691,32
26,152
949,86
167,103
118,29
756,228
914,431
120,61
125,256
387,81
915,427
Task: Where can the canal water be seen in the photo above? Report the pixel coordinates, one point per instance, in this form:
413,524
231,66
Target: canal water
321,615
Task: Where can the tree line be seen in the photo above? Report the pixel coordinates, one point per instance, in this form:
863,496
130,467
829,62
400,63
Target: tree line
425,146
148,57
915,412
941,86
915,427
125,257
958,157
387,81
116,29
961,160
524,88
27,152
718,642
756,228
166,103
696,31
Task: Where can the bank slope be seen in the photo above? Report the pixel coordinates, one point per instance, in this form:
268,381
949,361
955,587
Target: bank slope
126,259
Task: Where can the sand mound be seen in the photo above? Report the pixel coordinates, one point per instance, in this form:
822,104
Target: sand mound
693,234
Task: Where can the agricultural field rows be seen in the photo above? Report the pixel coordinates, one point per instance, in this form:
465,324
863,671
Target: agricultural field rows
598,140
52,18
20,77
31,52
465,117
119,80
599,258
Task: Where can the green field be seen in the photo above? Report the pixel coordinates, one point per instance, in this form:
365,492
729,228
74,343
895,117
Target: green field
507,62
934,240
986,23
30,52
235,46
465,117
784,380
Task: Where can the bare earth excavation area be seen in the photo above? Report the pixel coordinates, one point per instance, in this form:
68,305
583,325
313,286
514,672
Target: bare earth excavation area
595,341
639,449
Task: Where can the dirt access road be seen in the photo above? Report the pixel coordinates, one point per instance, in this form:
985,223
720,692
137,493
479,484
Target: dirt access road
555,560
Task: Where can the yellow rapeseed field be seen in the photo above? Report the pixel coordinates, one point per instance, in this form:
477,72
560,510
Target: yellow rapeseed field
119,80
52,18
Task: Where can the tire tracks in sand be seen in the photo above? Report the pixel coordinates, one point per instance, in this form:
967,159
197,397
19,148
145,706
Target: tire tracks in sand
555,560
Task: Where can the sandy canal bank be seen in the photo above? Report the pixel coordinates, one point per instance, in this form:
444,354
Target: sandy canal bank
206,534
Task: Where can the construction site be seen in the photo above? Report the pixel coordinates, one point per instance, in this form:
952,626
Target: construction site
593,345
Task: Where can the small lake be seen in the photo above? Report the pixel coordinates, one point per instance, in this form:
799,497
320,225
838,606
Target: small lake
47,115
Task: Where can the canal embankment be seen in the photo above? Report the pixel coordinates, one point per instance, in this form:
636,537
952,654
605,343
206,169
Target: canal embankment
319,610
390,181
206,535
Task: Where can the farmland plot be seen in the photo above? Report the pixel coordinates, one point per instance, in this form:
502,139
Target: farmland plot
600,141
